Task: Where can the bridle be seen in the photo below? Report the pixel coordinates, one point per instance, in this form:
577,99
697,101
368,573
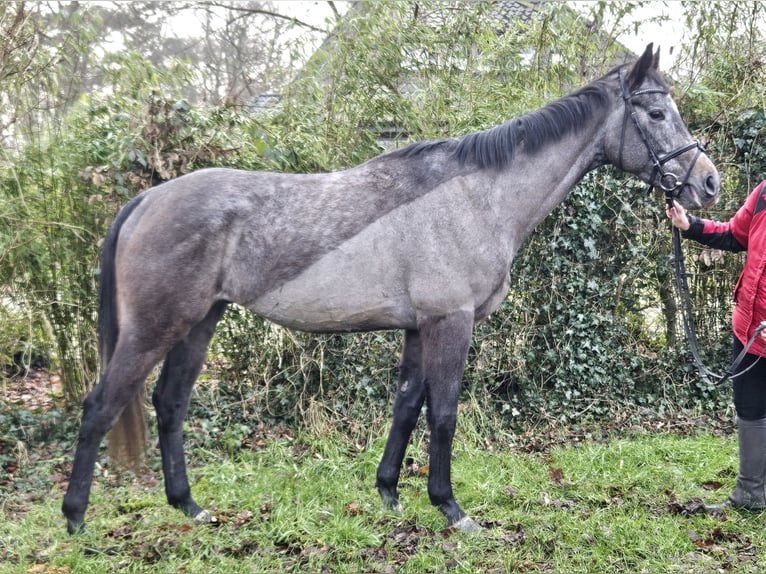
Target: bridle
668,181
672,186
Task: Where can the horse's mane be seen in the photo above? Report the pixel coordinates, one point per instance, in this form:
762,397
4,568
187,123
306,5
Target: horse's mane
495,147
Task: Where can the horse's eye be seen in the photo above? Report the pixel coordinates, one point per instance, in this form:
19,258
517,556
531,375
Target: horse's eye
657,115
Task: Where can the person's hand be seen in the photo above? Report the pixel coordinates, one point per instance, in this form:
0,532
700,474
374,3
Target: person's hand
677,216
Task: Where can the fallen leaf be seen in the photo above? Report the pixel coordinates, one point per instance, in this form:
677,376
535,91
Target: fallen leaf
556,475
694,506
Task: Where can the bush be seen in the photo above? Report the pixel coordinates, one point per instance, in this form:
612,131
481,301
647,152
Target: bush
589,325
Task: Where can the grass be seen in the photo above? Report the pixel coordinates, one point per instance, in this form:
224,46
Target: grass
308,504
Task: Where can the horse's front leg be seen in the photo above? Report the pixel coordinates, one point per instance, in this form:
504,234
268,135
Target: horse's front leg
445,342
410,395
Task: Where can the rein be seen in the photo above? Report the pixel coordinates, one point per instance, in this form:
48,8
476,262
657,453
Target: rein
682,288
672,186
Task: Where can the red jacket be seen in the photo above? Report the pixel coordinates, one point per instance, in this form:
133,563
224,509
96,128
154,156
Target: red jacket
745,231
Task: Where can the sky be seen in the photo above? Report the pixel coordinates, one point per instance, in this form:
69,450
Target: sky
313,12
667,34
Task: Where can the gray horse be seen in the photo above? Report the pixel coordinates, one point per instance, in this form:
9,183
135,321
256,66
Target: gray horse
419,239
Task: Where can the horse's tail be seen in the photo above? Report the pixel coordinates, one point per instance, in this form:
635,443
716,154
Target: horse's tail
128,438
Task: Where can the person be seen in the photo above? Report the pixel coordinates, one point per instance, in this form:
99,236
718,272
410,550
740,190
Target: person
745,231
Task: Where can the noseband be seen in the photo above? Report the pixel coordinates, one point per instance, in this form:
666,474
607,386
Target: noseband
668,181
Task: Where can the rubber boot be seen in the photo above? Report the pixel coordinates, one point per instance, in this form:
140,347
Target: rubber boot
750,490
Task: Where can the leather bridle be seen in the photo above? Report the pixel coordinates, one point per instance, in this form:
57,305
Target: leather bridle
668,181
680,277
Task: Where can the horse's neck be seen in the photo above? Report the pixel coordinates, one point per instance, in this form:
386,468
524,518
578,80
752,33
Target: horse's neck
534,184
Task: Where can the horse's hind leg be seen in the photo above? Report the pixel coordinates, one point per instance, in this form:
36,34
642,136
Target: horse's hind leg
171,401
123,378
410,395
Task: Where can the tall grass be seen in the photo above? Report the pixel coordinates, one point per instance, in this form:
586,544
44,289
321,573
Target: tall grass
306,502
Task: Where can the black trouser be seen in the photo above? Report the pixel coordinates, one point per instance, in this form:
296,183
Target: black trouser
750,386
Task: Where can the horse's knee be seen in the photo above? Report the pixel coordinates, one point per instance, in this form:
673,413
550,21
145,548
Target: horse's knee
93,400
409,401
167,412
442,424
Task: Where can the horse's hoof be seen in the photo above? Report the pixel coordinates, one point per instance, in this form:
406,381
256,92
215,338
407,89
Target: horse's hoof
390,500
395,507
75,526
467,525
204,517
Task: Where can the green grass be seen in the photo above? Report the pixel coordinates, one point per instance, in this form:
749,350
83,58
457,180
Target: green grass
309,505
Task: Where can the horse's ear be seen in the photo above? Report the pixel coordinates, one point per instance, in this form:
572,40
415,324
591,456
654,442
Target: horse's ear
656,62
645,62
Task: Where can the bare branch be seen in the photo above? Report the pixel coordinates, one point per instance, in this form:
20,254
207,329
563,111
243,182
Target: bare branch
334,9
235,8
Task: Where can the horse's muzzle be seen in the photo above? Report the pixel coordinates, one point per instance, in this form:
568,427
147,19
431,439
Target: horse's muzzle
703,196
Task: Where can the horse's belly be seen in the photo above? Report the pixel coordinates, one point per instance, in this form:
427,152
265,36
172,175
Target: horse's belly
321,309
346,290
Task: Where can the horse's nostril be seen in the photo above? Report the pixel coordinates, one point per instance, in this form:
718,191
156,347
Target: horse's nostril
711,185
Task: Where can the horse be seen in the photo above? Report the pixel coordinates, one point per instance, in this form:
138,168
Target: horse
418,239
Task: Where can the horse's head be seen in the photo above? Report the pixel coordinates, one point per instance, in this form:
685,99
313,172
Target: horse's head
647,137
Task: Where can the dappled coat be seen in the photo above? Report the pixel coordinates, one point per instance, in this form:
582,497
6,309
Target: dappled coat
745,231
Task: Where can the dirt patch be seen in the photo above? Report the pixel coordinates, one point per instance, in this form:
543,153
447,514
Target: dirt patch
36,391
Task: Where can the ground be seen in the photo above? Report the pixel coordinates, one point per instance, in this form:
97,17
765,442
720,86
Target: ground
542,500
39,392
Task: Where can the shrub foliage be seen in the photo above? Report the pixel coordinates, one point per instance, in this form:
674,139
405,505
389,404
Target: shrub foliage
590,323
